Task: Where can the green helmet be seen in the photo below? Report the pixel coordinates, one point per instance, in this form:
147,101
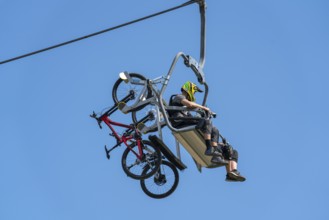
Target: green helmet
190,89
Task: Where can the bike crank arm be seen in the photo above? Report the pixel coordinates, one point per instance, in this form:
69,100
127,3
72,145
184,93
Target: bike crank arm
107,151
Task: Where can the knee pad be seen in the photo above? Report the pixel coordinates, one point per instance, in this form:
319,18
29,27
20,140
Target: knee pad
230,153
235,156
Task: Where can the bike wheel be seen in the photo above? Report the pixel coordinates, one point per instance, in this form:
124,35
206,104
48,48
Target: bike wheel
163,183
121,89
134,167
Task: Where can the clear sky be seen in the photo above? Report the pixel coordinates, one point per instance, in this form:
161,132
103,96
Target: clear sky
267,66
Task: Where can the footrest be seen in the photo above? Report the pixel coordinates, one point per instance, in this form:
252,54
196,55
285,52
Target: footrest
167,152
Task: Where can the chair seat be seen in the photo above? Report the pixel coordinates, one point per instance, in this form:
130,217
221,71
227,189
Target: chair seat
194,143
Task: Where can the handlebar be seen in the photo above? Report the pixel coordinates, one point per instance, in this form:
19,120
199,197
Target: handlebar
99,121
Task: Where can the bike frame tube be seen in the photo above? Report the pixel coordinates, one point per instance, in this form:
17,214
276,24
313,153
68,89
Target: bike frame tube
123,139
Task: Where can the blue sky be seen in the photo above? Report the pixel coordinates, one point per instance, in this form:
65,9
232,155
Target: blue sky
267,68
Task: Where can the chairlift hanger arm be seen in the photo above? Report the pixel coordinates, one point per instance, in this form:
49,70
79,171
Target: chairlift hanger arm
202,7
197,67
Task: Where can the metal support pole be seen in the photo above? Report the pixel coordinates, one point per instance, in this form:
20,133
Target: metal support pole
159,122
202,6
177,149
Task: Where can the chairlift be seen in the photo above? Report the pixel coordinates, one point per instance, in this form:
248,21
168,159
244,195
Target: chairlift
189,137
144,96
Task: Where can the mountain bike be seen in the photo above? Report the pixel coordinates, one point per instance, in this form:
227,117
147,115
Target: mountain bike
138,154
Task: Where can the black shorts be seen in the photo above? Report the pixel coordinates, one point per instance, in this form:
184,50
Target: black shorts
204,125
228,152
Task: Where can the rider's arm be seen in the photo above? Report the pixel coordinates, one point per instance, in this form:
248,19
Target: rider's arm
192,105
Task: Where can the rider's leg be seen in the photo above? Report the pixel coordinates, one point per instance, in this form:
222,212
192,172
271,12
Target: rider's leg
215,140
232,165
218,157
231,155
233,175
209,151
214,137
206,129
210,135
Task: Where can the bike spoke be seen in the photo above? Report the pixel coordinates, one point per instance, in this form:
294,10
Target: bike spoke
134,167
163,183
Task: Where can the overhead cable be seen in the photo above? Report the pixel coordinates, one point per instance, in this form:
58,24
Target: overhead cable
99,32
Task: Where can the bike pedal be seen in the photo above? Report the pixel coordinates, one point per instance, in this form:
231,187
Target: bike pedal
108,156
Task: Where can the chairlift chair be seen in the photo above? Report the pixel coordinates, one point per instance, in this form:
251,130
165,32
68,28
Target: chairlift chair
189,137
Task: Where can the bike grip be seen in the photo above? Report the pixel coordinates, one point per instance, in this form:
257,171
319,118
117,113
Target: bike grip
93,115
97,119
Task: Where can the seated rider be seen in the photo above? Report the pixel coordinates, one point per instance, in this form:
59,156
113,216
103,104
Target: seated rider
219,153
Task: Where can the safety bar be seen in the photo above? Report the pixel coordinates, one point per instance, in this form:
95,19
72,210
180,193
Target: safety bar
157,99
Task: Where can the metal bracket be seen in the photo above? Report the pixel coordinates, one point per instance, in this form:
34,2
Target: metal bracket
191,62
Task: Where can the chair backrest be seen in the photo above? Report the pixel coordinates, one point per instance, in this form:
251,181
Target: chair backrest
192,141
171,100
